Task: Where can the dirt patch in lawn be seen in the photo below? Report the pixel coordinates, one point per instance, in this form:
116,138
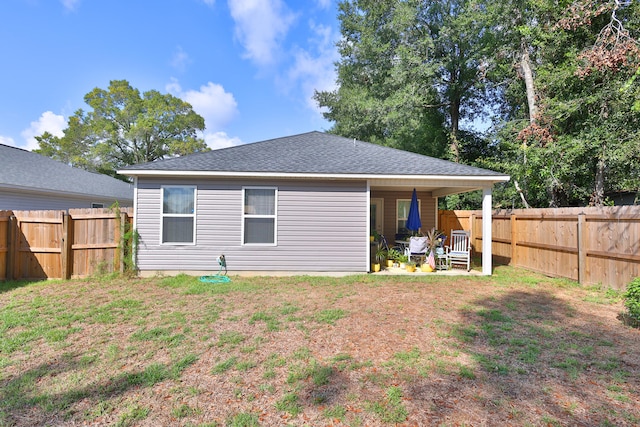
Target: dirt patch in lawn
513,349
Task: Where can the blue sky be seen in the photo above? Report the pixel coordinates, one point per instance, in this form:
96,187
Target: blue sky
249,67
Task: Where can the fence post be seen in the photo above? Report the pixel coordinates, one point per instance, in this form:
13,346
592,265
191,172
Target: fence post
15,243
514,245
11,247
118,259
472,234
67,240
582,253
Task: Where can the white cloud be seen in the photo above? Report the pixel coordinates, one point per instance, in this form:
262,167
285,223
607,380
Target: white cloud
216,140
324,4
209,2
7,140
48,122
218,108
70,4
261,25
180,59
314,68
211,101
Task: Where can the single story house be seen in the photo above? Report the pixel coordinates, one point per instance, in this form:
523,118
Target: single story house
29,181
305,203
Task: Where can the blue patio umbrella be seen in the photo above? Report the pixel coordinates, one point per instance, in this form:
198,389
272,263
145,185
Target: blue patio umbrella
413,220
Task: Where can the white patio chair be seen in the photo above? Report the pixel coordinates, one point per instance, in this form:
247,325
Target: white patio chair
459,251
417,247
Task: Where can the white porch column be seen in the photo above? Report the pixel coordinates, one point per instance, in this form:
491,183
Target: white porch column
486,232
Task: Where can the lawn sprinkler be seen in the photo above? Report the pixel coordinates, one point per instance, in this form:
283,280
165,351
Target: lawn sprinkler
220,277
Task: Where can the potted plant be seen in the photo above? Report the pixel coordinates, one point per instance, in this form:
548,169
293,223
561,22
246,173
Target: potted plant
410,266
381,256
435,238
402,259
393,256
426,268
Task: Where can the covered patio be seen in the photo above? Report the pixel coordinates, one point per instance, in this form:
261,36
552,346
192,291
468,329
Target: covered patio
390,197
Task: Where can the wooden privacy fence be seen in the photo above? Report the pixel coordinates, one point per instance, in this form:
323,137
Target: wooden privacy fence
61,245
590,245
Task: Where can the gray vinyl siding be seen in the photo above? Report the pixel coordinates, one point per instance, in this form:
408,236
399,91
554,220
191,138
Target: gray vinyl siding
320,227
25,200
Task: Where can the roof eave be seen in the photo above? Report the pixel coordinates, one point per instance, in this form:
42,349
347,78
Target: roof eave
305,175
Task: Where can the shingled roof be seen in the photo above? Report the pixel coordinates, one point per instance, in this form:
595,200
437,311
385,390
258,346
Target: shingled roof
22,169
313,153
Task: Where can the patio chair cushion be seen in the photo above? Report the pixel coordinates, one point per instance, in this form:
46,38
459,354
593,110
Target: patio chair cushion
418,245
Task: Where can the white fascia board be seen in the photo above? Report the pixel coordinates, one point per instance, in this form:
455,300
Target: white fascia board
155,173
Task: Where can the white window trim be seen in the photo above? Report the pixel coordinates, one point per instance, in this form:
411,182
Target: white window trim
274,216
162,215
398,210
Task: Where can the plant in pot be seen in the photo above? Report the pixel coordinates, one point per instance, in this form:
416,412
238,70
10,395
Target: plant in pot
435,240
392,256
425,267
410,266
402,259
381,256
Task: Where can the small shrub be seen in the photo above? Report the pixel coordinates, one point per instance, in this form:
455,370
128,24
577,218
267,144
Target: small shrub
632,299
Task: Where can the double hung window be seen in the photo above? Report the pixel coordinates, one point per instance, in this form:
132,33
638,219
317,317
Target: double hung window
402,214
259,215
178,215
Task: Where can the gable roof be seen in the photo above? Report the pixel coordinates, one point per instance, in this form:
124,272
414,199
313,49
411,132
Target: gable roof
311,154
23,170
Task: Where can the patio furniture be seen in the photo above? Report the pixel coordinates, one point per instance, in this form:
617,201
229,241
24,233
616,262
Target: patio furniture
417,248
459,252
442,259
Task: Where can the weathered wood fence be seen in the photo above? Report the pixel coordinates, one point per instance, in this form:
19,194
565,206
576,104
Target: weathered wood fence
60,244
590,245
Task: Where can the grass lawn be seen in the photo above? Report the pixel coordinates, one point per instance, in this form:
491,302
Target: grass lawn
516,348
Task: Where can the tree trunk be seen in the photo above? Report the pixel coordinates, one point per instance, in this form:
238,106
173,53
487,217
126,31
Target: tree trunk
519,190
597,199
525,66
454,112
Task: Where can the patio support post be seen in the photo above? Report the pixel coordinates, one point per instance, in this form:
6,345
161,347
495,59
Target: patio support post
486,232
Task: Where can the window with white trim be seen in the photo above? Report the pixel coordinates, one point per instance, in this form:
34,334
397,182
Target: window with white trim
178,215
402,214
259,215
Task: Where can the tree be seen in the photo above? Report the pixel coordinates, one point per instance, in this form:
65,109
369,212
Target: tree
582,141
460,43
386,90
560,77
125,128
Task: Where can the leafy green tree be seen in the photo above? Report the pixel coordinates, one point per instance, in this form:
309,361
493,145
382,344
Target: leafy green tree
74,147
125,128
583,140
386,90
559,76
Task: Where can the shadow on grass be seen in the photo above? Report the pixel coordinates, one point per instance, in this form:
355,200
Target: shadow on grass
19,395
15,284
534,359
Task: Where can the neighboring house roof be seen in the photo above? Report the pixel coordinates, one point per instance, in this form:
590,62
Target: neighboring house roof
313,153
23,170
